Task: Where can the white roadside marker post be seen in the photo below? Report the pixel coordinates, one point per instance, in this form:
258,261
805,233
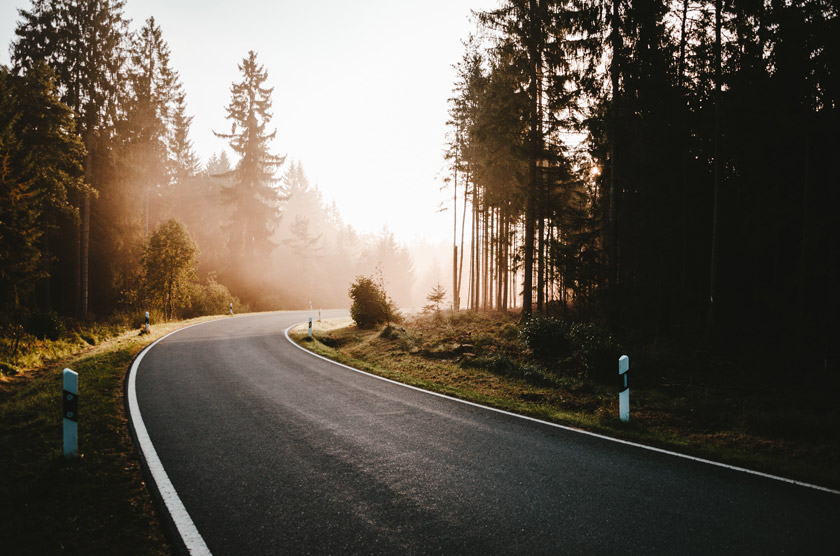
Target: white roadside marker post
231,307
310,328
148,329
624,389
70,397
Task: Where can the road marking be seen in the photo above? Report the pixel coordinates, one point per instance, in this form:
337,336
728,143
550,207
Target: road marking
183,522
570,429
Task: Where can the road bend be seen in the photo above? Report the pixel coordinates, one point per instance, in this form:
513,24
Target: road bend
272,450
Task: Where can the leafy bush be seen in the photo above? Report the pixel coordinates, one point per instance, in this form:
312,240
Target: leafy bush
170,257
547,337
7,369
211,299
596,350
368,308
46,326
371,305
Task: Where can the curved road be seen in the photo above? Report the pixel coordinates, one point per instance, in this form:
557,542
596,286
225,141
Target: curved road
274,451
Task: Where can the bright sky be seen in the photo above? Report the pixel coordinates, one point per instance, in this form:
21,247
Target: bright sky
360,91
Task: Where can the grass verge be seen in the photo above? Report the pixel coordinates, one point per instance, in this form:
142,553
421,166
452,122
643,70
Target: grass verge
792,432
97,503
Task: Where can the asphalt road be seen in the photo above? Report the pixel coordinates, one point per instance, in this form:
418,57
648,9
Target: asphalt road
274,451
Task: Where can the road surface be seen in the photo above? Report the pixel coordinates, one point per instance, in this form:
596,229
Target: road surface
271,450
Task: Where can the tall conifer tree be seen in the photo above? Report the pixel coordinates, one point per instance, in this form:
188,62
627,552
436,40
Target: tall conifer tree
84,44
252,197
41,161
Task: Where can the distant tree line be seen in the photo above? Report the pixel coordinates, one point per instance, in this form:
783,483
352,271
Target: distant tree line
660,165
100,186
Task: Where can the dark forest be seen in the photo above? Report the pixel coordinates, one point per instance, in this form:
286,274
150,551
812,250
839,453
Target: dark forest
666,168
663,168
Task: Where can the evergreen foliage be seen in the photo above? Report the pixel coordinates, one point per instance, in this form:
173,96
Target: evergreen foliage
370,304
254,201
435,298
40,164
672,161
85,45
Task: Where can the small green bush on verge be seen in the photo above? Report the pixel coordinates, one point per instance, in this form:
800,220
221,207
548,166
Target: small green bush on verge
547,337
371,305
596,350
8,370
46,326
211,299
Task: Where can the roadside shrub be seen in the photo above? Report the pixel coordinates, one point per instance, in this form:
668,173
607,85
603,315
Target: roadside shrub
547,337
211,299
46,326
368,308
596,350
371,305
7,369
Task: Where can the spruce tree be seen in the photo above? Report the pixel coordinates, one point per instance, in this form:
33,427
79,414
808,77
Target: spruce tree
149,116
185,162
41,165
252,198
84,44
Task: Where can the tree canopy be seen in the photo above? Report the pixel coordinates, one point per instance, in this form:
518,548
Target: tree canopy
170,257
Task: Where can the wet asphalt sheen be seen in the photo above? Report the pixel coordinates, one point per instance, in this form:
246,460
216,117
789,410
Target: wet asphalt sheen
274,451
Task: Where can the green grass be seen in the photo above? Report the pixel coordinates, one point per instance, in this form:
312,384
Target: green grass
97,503
791,430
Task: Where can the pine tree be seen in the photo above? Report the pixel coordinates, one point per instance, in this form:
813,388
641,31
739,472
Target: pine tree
394,263
218,165
181,151
154,108
435,298
53,151
41,163
84,43
19,213
253,199
153,87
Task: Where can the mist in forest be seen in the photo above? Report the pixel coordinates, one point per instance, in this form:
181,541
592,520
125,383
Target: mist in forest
118,213
314,255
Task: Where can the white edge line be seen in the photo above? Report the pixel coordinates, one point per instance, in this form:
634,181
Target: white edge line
192,539
567,428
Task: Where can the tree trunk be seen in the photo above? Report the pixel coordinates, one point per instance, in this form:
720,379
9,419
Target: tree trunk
685,153
541,276
84,231
506,269
484,256
805,235
535,56
455,301
612,231
474,253
713,316
463,227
